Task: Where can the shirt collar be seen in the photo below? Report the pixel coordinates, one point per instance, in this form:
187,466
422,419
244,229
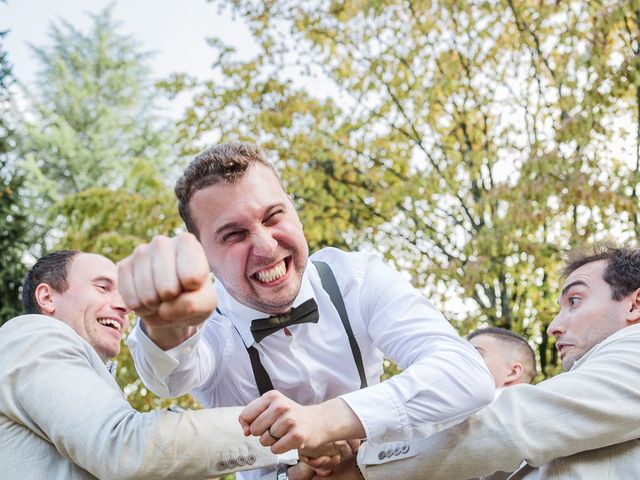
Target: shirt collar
241,315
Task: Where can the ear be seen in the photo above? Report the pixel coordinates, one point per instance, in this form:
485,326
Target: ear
45,297
516,371
633,315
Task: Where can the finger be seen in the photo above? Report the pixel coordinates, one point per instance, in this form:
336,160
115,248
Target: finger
323,461
252,410
354,443
191,262
344,448
125,284
267,440
289,441
163,268
190,308
143,277
276,406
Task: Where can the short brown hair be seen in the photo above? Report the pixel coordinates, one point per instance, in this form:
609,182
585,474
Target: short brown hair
622,272
226,162
51,269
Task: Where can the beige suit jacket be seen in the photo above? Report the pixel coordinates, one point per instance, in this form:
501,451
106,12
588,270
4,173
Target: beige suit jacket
582,424
63,416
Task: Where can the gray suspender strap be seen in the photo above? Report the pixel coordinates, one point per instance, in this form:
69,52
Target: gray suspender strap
328,280
330,285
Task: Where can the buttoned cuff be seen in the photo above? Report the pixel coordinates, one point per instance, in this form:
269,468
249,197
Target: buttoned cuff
369,403
164,361
376,454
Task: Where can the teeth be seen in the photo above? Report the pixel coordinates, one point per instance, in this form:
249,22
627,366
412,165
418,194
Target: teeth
110,323
272,274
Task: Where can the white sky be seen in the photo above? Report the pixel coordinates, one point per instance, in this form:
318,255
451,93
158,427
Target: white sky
175,30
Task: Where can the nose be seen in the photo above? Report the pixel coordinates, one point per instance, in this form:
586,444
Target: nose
556,327
264,245
118,304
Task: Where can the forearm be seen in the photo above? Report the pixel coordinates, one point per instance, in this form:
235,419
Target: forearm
571,412
436,391
167,338
339,421
172,373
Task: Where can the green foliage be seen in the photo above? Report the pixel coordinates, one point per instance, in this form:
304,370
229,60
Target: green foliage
471,142
94,111
97,155
14,225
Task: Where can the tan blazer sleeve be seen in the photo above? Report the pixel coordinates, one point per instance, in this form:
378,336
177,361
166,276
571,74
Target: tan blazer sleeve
590,407
57,387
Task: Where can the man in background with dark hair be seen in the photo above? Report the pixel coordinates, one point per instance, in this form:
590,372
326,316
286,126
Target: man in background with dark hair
62,414
582,424
508,356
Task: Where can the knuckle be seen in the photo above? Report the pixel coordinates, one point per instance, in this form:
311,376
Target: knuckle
160,241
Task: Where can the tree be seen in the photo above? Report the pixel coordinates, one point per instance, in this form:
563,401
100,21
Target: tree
468,141
97,154
94,111
14,225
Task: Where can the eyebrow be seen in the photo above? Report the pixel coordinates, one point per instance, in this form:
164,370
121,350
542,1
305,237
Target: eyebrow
235,224
572,284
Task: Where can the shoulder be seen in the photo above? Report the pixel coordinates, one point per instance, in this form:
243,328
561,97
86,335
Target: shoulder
34,324
38,335
348,264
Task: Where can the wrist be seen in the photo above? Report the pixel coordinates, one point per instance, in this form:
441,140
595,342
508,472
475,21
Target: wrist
340,421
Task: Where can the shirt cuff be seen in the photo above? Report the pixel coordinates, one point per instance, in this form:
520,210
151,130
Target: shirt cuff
164,361
367,405
288,458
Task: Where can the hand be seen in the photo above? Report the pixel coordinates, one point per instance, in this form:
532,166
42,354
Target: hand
282,424
347,470
327,457
167,283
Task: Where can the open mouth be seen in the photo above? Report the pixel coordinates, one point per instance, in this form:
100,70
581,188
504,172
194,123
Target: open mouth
273,273
562,347
109,322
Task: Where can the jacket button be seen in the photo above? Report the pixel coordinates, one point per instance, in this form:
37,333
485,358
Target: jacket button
222,465
381,455
405,449
397,451
241,460
251,459
232,463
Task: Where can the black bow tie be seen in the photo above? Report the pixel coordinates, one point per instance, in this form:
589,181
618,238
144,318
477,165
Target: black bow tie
306,312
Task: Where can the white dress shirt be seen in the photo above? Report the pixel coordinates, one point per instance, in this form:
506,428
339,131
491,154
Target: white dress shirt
444,378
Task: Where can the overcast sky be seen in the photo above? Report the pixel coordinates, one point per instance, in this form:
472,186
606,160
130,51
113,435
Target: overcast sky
174,29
